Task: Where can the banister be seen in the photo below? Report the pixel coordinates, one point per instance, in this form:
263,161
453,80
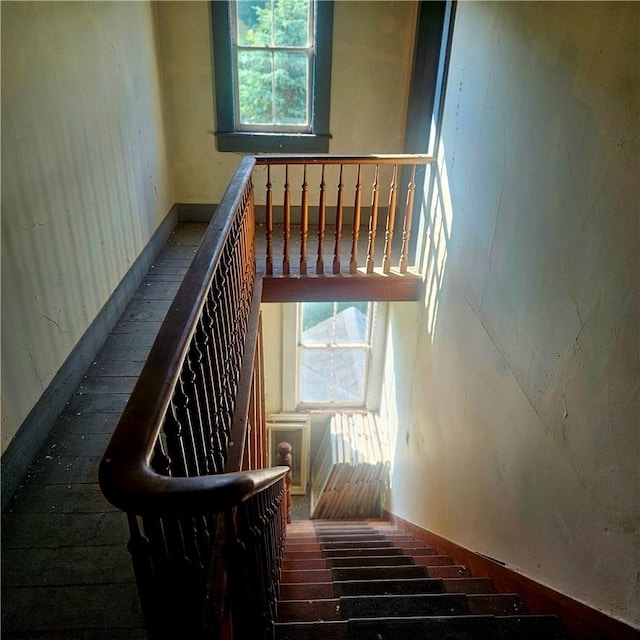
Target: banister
327,158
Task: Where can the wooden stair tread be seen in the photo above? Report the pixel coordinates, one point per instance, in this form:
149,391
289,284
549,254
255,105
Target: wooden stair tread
371,581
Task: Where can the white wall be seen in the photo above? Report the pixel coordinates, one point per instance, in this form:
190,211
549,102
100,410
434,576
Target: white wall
514,384
85,182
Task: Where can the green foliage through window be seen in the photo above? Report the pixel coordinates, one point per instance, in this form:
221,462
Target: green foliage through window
274,45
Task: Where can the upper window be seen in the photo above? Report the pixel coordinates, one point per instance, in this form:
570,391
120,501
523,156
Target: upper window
272,63
339,352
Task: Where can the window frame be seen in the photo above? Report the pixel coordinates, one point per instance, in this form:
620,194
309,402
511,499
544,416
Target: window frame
291,323
228,136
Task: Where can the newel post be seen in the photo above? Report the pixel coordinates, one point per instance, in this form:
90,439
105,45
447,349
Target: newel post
283,458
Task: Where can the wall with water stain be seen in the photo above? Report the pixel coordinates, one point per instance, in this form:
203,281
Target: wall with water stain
516,402
85,180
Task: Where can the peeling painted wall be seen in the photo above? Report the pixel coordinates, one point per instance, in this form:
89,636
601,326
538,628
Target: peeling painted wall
85,181
371,70
514,385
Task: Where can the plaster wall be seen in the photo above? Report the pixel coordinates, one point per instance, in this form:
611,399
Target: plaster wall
371,70
514,384
85,181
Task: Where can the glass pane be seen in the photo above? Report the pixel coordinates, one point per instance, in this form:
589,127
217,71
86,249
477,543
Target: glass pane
255,87
291,88
333,375
335,323
317,322
254,22
291,23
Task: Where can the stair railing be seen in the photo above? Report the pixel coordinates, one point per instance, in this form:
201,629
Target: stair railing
186,461
341,217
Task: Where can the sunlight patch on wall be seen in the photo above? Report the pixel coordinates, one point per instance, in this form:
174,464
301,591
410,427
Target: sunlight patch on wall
434,233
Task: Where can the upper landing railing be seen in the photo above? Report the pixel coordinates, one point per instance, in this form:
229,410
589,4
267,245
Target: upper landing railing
330,214
187,461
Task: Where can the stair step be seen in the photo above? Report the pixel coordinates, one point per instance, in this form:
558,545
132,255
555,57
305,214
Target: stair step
308,610
467,585
452,571
378,573
370,561
305,564
374,551
387,587
496,604
435,604
311,630
531,628
430,559
432,628
374,544
310,591
309,575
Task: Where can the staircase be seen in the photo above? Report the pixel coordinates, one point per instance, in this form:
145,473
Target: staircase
368,580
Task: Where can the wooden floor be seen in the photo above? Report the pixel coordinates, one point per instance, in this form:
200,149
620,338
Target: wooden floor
66,571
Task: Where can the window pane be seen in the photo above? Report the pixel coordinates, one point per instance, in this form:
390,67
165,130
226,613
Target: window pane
255,87
254,24
291,23
333,375
335,323
291,88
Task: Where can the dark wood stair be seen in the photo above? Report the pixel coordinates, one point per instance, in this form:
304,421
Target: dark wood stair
368,580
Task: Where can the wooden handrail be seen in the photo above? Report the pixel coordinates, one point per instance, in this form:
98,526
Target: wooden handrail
327,158
176,460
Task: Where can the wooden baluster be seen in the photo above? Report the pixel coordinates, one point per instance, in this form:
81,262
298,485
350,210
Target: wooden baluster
353,263
321,224
391,220
336,251
408,215
269,223
287,222
304,222
373,222
284,458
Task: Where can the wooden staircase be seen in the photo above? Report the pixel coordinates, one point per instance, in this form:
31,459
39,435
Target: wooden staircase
368,580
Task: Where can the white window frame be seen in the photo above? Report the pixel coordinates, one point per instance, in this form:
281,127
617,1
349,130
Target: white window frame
291,319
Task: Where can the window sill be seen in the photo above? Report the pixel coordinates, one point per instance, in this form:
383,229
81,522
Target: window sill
251,142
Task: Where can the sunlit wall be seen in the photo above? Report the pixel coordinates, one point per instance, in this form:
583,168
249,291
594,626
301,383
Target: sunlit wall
516,380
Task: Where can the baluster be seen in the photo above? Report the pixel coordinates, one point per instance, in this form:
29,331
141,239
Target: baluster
391,220
304,222
269,223
287,222
336,251
175,445
373,222
406,228
321,224
353,263
285,459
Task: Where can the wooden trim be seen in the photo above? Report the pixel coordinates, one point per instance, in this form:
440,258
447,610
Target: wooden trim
581,621
341,287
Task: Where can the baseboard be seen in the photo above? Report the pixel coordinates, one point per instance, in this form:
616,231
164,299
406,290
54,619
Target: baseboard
37,426
581,621
195,212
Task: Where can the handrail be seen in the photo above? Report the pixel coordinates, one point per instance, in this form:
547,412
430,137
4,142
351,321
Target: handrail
126,476
175,461
328,158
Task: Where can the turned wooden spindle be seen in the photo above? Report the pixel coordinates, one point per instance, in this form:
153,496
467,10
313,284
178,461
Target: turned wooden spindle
391,220
287,222
373,222
285,459
353,263
269,223
321,225
406,229
304,222
336,250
